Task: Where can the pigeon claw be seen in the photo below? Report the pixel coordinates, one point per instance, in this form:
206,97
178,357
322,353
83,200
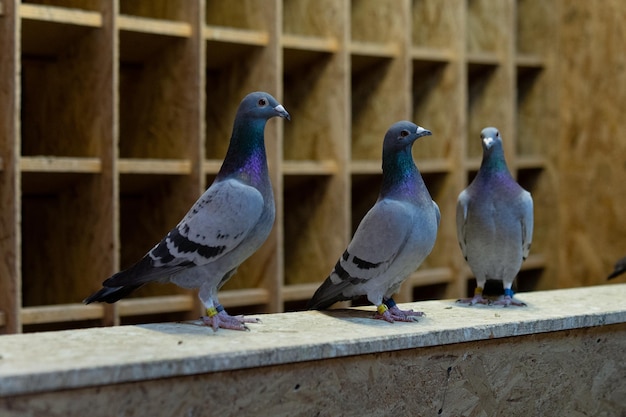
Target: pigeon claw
225,321
477,299
395,314
509,301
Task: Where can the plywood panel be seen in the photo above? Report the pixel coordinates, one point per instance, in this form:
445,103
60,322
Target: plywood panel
592,167
561,373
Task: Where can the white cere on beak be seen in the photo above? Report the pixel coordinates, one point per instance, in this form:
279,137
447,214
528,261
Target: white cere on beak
280,109
420,129
488,142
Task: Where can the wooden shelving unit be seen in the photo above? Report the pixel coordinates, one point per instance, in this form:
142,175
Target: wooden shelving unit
116,114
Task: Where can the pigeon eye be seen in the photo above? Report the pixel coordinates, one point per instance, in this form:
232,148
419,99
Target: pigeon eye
262,102
497,134
404,133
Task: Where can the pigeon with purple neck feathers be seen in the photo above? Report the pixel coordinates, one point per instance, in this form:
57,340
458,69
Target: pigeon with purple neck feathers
494,222
227,224
393,238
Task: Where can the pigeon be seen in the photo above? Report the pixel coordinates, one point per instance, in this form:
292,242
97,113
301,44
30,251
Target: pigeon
393,238
620,268
227,224
494,222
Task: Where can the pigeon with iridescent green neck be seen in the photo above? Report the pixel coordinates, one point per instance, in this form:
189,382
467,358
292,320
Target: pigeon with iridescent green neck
227,224
494,220
393,238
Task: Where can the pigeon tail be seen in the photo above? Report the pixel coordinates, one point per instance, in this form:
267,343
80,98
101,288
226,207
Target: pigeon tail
111,294
328,294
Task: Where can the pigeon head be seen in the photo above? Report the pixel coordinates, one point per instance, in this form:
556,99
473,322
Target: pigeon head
400,175
401,135
261,106
490,137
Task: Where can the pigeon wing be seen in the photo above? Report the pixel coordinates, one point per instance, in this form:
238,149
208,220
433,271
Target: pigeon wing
378,239
527,223
462,206
217,223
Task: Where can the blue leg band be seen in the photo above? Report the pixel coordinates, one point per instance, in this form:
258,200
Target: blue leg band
390,303
508,292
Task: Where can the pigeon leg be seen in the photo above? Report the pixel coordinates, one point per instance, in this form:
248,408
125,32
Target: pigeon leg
476,299
508,299
217,318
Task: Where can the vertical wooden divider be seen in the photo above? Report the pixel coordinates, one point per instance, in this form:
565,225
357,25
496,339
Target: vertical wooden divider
10,285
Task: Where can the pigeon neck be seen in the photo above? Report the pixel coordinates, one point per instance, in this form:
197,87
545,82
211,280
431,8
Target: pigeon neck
401,178
494,163
246,158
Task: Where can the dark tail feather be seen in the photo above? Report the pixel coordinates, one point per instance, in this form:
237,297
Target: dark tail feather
620,268
111,294
328,294
616,273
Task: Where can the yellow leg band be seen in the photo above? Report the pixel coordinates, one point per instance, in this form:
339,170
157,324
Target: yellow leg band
478,291
211,311
381,309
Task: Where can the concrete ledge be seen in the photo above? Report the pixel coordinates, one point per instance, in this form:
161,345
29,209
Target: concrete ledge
34,364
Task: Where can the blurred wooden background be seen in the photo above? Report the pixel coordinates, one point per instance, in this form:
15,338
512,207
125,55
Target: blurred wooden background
115,115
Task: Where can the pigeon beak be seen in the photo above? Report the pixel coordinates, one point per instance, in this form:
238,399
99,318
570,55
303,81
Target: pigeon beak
422,132
488,142
281,112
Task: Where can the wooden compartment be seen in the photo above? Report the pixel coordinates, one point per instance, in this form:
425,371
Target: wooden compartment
489,104
487,26
127,108
435,25
66,244
61,113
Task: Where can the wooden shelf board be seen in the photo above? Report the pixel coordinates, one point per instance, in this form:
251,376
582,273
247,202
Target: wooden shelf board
212,166
529,61
530,162
226,46
420,53
310,43
236,36
60,164
299,292
325,167
155,305
154,166
426,166
430,276
534,261
472,164
154,26
375,49
61,313
244,297
483,59
61,15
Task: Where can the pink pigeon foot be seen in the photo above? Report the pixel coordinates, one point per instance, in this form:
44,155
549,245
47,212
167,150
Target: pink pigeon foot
507,300
476,299
223,320
390,312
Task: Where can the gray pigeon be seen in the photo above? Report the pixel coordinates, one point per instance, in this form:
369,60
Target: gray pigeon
227,224
494,222
620,268
393,238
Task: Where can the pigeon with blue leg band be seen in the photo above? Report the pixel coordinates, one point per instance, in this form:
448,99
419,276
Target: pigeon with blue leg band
227,224
494,219
393,238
